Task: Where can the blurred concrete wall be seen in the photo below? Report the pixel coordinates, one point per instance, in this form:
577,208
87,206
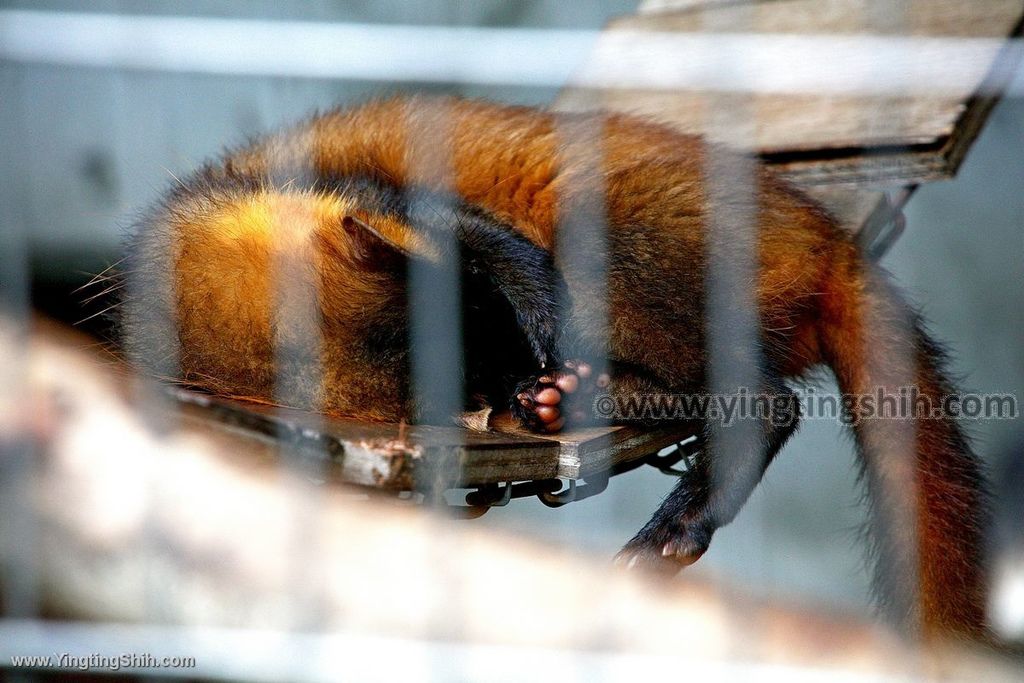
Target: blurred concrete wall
104,143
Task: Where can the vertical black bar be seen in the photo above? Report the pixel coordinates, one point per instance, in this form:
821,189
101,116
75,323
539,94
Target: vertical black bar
731,243
298,343
18,526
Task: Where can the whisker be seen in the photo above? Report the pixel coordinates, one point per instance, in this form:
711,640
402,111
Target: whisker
176,178
113,288
99,313
97,277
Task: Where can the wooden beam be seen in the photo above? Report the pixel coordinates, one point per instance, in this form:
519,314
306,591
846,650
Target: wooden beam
824,139
422,457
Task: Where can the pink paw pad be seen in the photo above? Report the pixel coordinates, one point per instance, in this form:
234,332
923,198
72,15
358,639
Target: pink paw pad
553,397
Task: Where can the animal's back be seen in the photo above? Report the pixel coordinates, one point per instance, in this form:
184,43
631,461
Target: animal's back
533,169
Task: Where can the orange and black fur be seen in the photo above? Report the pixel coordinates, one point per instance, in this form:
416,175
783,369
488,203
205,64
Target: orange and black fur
342,206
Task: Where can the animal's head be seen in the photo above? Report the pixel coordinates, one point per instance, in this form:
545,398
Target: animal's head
239,279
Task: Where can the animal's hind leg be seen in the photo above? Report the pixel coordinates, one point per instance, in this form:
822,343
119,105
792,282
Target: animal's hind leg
712,494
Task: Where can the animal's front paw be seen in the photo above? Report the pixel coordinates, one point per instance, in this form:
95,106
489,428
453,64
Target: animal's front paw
545,404
666,547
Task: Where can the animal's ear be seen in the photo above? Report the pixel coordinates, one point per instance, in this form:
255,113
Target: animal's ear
368,244
380,242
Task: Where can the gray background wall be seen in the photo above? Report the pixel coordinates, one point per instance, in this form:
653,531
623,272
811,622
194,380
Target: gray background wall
85,148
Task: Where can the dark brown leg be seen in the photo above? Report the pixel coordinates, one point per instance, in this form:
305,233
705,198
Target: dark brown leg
712,494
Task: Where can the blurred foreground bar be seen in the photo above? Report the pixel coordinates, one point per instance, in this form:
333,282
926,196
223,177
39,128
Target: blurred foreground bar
858,153
185,543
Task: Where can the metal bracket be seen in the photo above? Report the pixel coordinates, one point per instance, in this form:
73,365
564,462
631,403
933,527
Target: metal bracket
685,452
885,224
557,492
591,486
487,496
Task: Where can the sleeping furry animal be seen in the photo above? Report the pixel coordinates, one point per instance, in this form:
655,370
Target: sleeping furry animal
341,208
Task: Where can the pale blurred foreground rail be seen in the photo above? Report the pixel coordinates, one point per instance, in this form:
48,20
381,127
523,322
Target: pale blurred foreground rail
186,536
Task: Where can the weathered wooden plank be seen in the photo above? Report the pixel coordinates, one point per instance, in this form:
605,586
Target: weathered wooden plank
835,138
594,450
419,457
388,456
382,455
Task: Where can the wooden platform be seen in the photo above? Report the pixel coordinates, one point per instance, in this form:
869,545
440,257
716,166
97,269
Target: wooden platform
420,457
857,153
817,139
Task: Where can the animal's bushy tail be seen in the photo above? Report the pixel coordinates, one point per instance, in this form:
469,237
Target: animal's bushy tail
925,485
